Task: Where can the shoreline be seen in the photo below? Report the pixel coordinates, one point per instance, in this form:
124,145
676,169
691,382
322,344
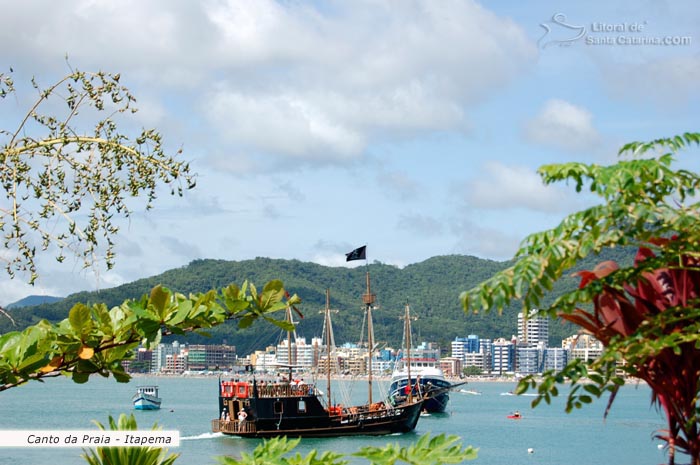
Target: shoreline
248,376
264,377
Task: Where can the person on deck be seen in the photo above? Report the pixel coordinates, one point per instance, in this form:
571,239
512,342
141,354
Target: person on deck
241,418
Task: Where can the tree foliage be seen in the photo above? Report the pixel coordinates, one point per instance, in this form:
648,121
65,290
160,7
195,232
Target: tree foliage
145,455
437,450
646,313
65,185
95,340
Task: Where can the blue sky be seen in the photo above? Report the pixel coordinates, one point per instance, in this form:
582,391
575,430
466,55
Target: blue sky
415,127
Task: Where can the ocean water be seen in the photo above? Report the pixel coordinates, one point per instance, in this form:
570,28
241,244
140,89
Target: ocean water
582,437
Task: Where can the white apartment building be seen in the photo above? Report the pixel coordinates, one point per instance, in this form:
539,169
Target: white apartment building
306,354
533,330
160,354
583,347
264,361
478,359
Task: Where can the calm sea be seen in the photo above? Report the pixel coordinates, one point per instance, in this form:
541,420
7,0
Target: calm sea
579,438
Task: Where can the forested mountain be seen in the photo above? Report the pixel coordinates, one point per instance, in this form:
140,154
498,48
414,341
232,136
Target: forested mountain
431,288
32,300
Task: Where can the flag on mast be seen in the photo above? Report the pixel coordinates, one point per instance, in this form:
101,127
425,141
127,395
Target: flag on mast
357,254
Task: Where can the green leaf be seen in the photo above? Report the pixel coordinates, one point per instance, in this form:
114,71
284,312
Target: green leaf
246,321
79,318
80,378
183,310
159,300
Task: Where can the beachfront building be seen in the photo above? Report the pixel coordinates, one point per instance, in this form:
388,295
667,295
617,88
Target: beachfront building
285,353
555,358
481,360
465,345
502,356
428,350
583,347
305,353
529,359
451,367
161,353
175,364
472,351
201,357
264,361
533,329
381,366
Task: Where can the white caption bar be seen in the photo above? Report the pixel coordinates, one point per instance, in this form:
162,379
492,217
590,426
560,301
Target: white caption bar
89,438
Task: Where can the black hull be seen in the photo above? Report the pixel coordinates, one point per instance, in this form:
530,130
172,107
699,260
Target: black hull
435,393
400,420
437,404
297,412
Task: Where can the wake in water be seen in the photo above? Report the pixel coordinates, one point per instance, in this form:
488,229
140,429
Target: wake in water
202,436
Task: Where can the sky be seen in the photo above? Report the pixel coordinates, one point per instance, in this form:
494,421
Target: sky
412,127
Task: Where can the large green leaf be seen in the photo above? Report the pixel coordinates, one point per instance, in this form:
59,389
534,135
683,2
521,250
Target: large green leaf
159,302
79,318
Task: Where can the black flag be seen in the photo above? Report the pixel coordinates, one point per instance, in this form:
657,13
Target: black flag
357,254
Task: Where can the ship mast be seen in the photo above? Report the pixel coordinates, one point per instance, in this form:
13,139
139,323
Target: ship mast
328,345
289,341
407,329
368,299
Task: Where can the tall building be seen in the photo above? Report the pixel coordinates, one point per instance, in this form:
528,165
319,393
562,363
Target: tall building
533,329
265,360
528,359
583,347
502,356
305,354
472,351
286,354
459,348
555,358
160,354
465,345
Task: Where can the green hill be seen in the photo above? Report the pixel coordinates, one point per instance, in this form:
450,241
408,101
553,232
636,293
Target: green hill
430,287
33,300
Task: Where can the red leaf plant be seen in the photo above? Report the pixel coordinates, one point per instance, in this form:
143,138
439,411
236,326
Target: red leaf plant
656,306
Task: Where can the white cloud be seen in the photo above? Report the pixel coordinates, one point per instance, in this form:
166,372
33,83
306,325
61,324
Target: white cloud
287,80
287,124
563,125
508,187
12,291
329,82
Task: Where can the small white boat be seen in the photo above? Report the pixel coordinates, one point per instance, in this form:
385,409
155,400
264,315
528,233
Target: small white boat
469,391
146,398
